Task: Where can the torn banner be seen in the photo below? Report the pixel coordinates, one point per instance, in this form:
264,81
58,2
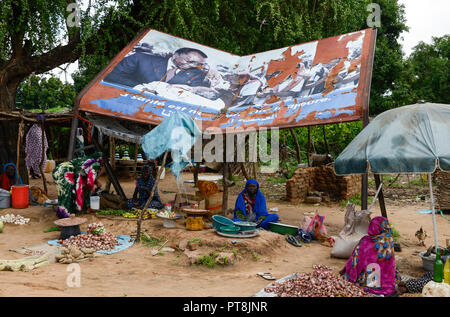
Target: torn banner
177,134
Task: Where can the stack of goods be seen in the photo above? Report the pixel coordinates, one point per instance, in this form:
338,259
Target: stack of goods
96,238
167,214
73,254
442,179
117,156
320,283
126,156
149,213
15,219
213,197
139,158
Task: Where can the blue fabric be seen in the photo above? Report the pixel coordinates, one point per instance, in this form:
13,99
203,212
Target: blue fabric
177,134
270,218
123,243
143,195
260,208
15,173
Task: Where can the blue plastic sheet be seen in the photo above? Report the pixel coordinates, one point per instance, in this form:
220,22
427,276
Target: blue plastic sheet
177,134
123,243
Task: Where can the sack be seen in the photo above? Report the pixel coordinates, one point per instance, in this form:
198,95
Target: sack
356,226
38,195
214,202
207,187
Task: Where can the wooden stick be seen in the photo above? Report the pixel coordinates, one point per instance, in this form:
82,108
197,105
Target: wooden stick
139,222
380,196
308,152
135,159
244,171
225,188
196,169
44,181
325,139
19,138
297,146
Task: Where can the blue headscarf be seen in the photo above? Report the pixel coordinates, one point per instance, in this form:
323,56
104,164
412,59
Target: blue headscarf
15,172
260,202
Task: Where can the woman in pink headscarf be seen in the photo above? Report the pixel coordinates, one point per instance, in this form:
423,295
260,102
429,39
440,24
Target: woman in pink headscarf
372,263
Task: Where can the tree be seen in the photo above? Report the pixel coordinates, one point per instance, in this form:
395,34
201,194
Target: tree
42,93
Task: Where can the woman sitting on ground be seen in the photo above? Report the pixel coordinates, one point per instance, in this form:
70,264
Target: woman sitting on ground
143,190
9,177
251,206
372,263
75,181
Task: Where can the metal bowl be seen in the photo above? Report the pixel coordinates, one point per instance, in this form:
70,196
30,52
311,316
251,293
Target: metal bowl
245,225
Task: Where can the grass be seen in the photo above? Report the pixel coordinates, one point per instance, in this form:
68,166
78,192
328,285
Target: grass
255,256
395,234
236,178
54,109
195,240
276,180
149,241
356,200
206,260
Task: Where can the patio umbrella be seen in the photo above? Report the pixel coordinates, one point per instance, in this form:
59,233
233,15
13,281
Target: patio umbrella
409,139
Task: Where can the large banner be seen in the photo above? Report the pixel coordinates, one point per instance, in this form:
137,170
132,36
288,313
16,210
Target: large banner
324,81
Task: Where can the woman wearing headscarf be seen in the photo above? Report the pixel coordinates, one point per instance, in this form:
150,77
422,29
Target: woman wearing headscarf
144,186
251,206
75,181
9,177
33,150
372,263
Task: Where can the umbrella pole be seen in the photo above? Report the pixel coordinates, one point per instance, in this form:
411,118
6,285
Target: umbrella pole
432,209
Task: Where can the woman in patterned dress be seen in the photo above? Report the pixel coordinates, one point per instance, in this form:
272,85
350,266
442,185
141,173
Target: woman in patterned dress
75,181
372,263
33,150
143,190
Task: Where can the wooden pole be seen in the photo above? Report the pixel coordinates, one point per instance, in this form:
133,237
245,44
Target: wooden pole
225,188
135,159
325,139
149,200
297,146
308,152
19,139
196,169
380,196
244,171
44,181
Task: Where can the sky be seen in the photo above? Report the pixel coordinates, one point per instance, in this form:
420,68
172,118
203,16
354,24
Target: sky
425,19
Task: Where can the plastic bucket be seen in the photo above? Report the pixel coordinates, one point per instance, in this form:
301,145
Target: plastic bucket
95,202
20,196
5,199
194,222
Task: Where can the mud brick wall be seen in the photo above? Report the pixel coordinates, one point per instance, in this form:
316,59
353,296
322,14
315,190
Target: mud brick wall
321,179
442,190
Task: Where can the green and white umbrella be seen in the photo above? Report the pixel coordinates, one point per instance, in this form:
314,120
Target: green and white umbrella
409,139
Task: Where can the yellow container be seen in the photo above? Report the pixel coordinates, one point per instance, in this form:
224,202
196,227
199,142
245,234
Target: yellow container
194,222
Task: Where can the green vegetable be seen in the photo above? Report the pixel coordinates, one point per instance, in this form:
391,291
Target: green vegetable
51,229
1,226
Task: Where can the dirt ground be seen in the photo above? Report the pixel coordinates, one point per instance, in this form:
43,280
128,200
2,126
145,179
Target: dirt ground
135,272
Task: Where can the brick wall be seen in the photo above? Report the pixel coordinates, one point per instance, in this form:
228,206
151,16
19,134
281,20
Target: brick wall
321,179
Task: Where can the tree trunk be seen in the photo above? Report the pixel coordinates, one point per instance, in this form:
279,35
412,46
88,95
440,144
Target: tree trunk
297,147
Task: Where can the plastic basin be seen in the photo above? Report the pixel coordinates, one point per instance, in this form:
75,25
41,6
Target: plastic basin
245,225
219,221
229,229
283,228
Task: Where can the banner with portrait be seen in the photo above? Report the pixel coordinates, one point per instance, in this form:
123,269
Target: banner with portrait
324,81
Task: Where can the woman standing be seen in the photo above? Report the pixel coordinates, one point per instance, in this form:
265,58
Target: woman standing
33,150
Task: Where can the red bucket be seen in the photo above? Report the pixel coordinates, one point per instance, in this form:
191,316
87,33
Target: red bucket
20,196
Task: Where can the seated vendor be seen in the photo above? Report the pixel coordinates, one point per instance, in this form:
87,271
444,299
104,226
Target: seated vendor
9,177
143,190
372,263
75,181
251,206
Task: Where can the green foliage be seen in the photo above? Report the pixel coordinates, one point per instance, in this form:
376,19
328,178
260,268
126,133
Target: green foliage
150,241
255,256
46,94
206,260
114,212
395,234
356,200
276,180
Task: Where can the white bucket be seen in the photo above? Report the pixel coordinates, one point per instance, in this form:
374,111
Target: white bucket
95,202
5,199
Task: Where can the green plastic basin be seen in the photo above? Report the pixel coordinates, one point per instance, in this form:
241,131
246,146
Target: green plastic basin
283,228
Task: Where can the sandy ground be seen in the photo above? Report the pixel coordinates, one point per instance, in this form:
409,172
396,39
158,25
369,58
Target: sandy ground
135,272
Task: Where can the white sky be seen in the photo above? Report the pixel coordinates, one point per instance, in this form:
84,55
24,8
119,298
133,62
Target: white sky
425,18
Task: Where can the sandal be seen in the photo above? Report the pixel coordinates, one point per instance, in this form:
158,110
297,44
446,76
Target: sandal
292,240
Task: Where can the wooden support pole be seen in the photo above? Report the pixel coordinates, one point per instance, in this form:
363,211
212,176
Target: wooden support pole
19,138
136,147
297,146
325,139
380,196
44,181
225,188
308,151
196,169
149,200
244,171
